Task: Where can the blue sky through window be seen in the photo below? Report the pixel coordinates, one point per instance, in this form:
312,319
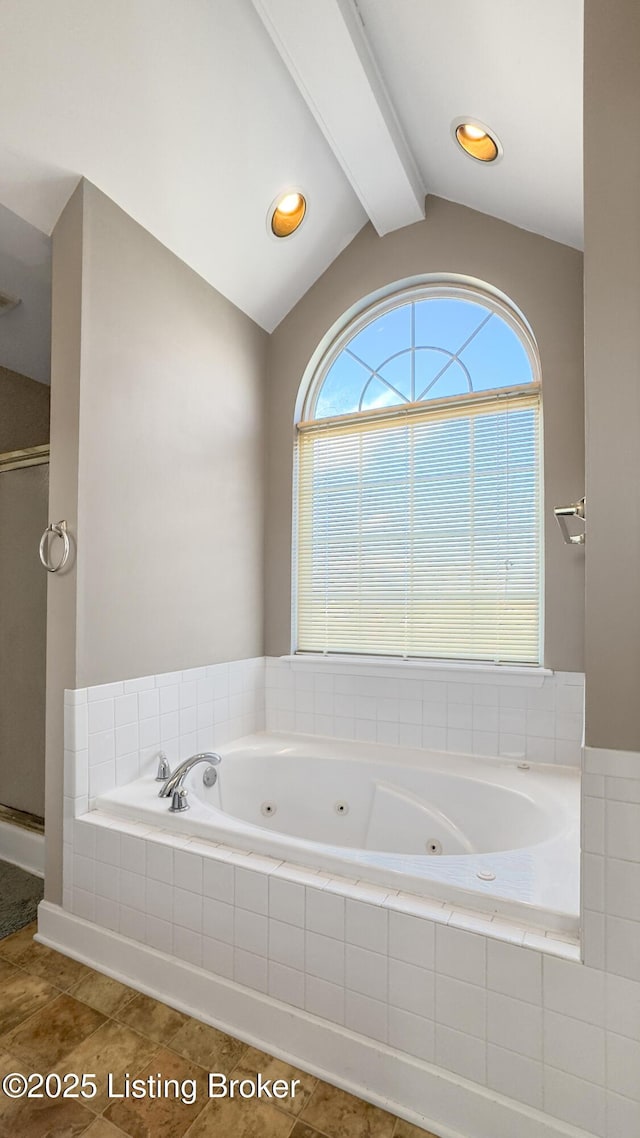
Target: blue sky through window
428,349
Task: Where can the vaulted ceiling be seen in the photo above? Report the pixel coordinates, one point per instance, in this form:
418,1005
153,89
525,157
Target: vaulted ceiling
193,117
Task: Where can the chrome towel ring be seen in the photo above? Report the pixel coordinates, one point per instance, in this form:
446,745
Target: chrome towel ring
59,529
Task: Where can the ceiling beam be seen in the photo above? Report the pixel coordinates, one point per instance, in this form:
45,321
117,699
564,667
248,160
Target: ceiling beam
324,47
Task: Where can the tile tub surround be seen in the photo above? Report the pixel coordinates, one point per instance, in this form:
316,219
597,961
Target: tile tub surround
422,983
472,709
113,732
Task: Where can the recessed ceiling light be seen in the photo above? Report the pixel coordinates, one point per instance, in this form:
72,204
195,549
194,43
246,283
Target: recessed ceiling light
287,213
477,140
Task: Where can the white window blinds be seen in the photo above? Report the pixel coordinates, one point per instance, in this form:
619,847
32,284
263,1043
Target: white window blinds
419,531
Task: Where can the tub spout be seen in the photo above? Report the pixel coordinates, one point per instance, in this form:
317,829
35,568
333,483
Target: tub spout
176,782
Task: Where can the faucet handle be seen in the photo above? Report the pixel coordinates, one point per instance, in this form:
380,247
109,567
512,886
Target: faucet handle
179,801
164,770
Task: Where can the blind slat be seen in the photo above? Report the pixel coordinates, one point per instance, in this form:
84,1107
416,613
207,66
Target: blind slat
420,535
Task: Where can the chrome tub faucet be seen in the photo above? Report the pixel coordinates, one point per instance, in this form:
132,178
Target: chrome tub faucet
174,787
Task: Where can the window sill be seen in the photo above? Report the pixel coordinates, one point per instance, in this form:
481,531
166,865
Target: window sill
446,670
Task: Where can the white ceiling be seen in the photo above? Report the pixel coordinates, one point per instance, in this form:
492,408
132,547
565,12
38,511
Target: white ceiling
187,116
514,66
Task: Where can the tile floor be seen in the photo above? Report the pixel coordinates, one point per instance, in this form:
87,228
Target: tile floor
58,1015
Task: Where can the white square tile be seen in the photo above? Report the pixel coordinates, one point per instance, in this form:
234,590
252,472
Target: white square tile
252,890
366,972
133,853
102,778
411,988
132,890
623,1116
107,913
593,879
142,683
250,932
187,871
575,1101
411,1033
593,825
324,999
102,748
324,957
463,1054
149,704
623,1006
574,1046
461,1006
623,947
218,880
623,830
104,691
84,839
412,939
515,1076
101,716
286,984
217,920
187,909
187,945
366,1016
514,971
574,990
514,1025
127,739
160,862
286,944
325,913
217,957
107,846
169,699
367,926
461,954
133,924
250,970
84,873
623,1066
126,708
286,901
158,900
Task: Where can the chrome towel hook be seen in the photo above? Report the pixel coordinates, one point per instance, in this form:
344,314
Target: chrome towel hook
58,529
576,510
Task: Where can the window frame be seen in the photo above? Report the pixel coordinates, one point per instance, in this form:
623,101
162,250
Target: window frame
441,286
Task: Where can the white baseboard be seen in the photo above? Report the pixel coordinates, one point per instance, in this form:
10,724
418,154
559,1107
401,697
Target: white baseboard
419,1092
21,847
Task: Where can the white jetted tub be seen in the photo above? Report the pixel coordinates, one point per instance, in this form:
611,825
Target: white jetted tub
487,833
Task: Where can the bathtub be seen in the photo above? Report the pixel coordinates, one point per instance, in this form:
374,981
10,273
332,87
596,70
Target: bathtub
486,833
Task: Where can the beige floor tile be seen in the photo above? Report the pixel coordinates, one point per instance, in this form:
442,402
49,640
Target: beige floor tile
238,1118
51,1033
102,993
253,1062
44,1118
207,1046
162,1117
301,1130
151,1018
341,1115
59,970
112,1049
100,1128
406,1130
20,996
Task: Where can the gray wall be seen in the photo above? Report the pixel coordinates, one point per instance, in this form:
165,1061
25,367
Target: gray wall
24,411
544,279
612,373
170,524
25,271
157,419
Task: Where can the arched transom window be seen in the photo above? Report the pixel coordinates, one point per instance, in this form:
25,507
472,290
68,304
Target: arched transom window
419,483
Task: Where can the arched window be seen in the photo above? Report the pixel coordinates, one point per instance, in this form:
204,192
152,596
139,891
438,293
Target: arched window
418,519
